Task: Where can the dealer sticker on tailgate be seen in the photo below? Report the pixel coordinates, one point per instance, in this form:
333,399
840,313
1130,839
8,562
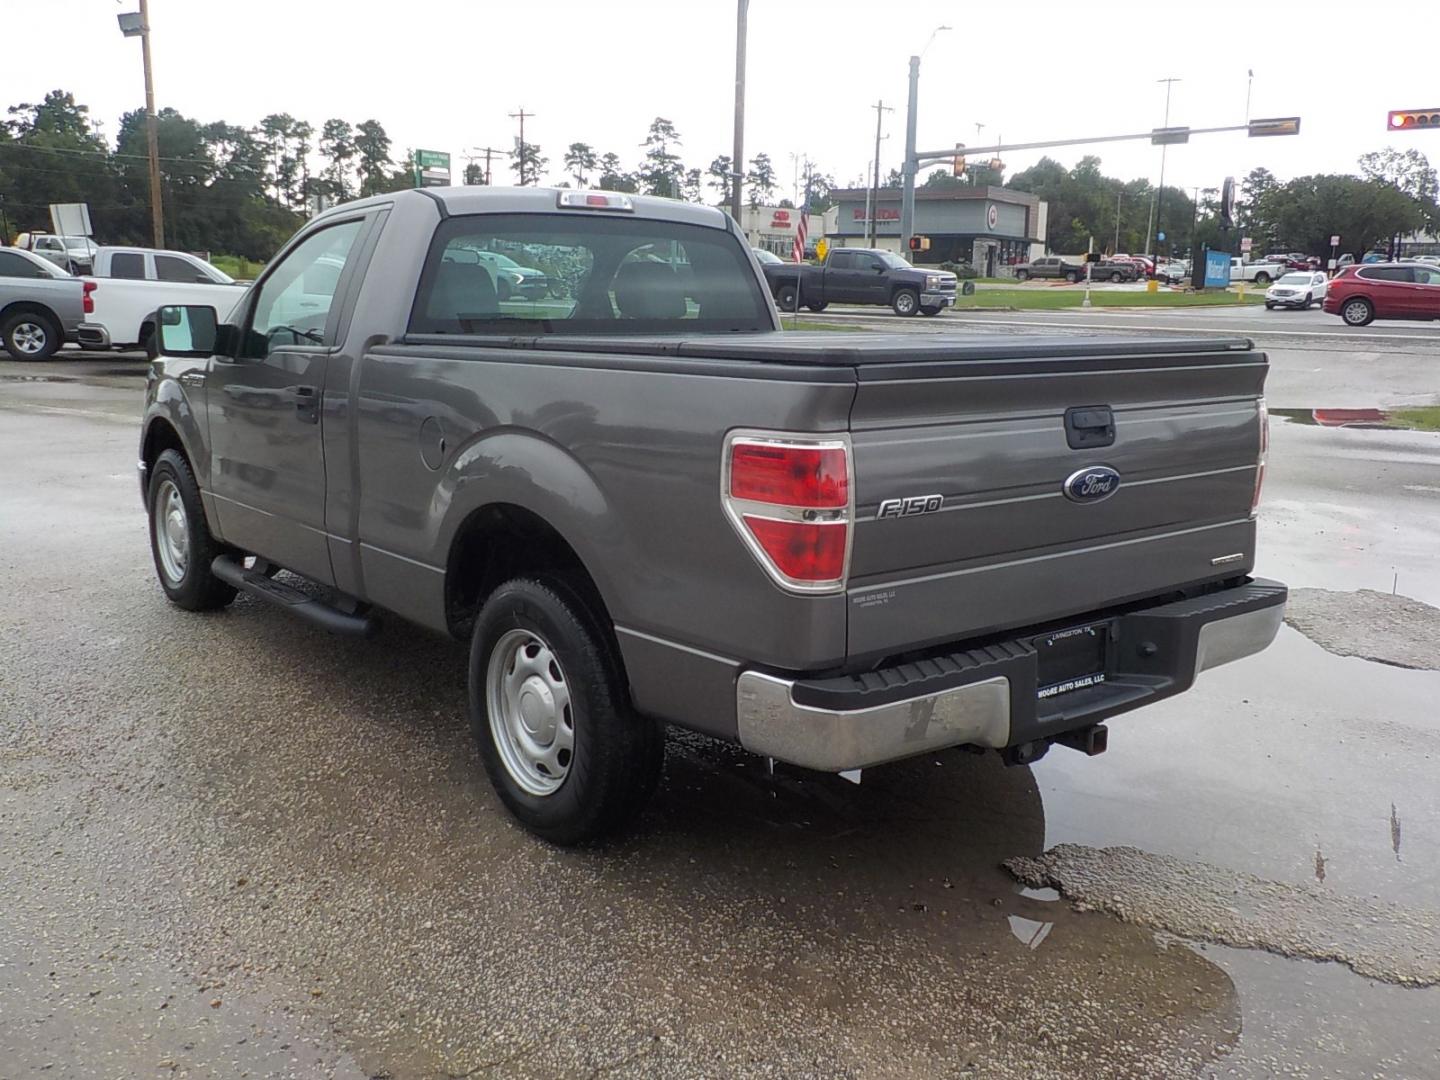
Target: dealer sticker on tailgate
1070,659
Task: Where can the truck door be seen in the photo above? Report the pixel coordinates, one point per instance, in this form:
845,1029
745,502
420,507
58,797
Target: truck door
267,465
874,286
841,286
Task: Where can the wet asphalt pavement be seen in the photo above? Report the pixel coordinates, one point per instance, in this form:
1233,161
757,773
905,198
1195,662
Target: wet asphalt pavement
234,846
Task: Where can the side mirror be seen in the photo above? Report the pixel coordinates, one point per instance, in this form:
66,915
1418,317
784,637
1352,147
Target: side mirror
189,330
878,267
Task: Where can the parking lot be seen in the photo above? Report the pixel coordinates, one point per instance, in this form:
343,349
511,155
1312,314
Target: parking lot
236,846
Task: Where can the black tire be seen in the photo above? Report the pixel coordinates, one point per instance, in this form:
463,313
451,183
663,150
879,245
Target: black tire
787,298
1357,311
503,289
905,302
1269,306
1262,279
817,308
148,342
1072,276
195,588
1116,276
930,309
617,754
1309,302
30,335
1022,275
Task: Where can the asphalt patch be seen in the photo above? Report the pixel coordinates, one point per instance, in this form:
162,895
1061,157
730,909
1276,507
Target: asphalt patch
1383,627
1209,903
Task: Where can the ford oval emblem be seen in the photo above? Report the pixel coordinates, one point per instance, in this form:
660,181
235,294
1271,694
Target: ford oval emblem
1092,484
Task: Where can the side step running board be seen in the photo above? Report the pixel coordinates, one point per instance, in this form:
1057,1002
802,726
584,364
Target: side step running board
257,582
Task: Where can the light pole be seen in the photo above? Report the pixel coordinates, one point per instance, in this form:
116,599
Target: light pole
911,166
874,200
1157,204
737,160
137,24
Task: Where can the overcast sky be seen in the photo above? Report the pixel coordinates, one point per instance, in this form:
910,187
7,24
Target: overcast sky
444,74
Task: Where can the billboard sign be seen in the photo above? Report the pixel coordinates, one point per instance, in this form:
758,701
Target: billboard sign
1217,269
431,168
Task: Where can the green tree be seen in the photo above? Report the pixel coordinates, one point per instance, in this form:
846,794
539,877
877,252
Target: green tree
581,161
1365,213
52,154
372,150
612,178
474,173
337,147
661,173
761,180
719,178
527,162
692,188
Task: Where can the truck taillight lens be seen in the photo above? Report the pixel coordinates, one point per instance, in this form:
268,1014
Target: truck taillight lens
790,499
87,297
1264,453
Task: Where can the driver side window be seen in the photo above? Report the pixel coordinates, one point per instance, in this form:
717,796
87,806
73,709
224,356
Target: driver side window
293,305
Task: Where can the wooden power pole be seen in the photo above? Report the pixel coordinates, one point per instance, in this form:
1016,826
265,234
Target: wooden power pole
152,139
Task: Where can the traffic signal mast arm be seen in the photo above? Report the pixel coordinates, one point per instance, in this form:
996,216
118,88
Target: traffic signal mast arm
1289,125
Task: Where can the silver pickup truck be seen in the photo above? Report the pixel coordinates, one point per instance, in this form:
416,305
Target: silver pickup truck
641,502
41,305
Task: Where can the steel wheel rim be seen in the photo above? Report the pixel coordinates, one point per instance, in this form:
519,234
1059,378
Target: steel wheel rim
29,338
172,532
532,720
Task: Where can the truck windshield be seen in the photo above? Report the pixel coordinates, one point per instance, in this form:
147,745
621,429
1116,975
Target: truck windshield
583,273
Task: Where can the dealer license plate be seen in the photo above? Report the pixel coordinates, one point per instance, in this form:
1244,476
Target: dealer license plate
1070,660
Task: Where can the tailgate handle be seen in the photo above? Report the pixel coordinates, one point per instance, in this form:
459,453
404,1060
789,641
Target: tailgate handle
1088,426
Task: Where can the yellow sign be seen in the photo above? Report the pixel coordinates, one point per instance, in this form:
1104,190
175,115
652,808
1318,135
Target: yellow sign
821,247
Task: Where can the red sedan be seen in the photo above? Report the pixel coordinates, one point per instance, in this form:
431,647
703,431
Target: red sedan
1362,294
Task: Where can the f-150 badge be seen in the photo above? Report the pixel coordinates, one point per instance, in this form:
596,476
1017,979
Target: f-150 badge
915,504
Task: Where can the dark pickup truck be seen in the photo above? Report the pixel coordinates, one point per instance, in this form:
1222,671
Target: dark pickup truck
861,276
645,503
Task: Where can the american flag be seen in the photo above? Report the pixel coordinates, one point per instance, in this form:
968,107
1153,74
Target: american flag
798,251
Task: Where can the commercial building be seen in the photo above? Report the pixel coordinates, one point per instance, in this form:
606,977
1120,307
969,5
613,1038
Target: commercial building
988,228
773,228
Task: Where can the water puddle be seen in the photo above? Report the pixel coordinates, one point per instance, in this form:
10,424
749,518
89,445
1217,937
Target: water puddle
36,378
1419,418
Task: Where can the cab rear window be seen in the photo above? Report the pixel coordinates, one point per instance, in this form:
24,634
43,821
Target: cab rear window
583,273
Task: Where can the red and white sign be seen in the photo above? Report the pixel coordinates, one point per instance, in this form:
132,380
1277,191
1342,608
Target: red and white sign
881,214
780,219
1334,241
992,217
1246,244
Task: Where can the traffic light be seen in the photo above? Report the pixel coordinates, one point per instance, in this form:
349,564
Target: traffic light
1414,120
957,167
919,243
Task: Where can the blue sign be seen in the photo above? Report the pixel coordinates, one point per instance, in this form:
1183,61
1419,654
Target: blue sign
1217,269
1160,237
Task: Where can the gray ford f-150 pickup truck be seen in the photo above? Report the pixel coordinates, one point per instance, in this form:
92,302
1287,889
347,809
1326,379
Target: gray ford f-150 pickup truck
645,503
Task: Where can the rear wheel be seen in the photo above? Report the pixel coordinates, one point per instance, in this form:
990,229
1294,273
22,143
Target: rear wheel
30,335
1116,276
1357,312
1262,278
1022,275
1072,276
817,308
906,302
787,298
566,752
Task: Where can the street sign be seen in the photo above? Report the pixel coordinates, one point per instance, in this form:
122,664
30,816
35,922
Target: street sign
1169,136
1275,125
431,168
432,159
1334,241
1414,120
1160,236
822,248
1246,244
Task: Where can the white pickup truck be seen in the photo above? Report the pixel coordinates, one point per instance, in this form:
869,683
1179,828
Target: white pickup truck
130,283
1259,273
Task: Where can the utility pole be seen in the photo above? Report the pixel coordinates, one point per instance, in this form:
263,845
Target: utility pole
911,165
152,139
737,159
880,110
1158,202
474,154
521,115
1119,194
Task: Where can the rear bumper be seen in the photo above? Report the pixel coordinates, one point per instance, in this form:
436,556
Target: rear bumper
92,336
988,696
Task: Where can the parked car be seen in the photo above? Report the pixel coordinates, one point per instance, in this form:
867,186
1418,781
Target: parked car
72,253
1344,260
1297,289
148,264
1114,271
767,258
41,305
1432,260
646,504
861,276
1052,266
121,313
1172,273
513,280
1146,263
1361,294
1376,257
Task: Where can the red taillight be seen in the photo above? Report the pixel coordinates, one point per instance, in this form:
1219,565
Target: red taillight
789,498
1264,453
87,300
789,475
802,550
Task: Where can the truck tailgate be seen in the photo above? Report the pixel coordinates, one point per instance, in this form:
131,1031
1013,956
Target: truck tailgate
985,428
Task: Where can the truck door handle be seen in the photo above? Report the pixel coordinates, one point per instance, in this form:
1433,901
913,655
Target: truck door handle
306,404
1089,426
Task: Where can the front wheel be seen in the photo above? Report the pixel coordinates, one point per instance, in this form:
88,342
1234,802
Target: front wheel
30,336
787,298
906,302
1309,302
817,308
180,538
1117,277
930,309
1071,276
1357,312
567,754
1269,306
1022,275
